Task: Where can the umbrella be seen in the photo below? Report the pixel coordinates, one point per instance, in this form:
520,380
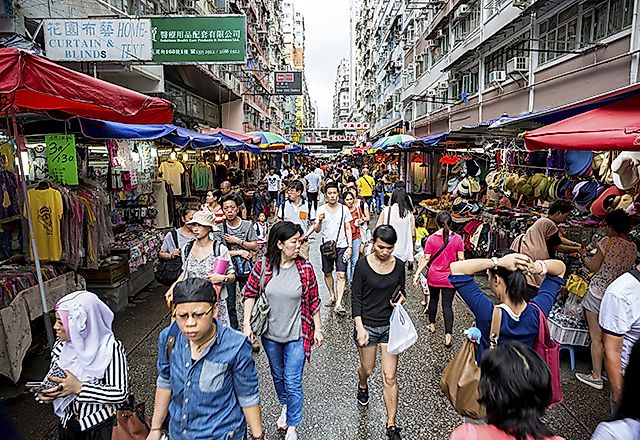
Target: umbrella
29,83
612,127
391,141
234,134
269,140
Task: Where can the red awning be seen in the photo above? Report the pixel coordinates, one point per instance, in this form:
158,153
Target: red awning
29,83
234,134
612,127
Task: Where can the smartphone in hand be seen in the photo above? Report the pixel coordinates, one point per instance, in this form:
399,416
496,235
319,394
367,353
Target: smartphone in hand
397,294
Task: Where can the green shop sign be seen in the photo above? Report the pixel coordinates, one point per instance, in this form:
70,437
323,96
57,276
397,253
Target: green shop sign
61,158
197,39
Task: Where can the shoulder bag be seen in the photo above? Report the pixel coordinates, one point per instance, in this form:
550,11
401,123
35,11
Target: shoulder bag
461,377
549,351
425,271
169,270
260,312
131,423
241,265
329,249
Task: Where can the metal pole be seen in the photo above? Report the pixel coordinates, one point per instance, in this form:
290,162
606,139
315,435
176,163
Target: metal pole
19,141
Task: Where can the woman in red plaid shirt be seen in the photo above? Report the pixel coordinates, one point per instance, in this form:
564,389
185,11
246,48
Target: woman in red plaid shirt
294,320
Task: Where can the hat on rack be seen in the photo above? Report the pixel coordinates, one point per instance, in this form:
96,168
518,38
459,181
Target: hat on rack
602,166
463,188
474,185
625,170
491,179
509,184
577,162
452,184
539,182
625,202
607,201
204,219
564,189
584,193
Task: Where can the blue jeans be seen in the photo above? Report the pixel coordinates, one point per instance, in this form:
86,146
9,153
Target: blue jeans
286,361
379,202
355,254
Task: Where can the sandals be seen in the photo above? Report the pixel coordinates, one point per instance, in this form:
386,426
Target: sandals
340,311
330,303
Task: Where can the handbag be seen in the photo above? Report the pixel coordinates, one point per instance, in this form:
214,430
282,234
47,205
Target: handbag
549,351
425,271
260,312
168,271
242,266
461,376
329,249
131,423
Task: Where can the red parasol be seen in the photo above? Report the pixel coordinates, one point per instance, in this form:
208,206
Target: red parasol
612,127
29,83
234,134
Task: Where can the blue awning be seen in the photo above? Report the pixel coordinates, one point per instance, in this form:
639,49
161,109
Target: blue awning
182,137
427,141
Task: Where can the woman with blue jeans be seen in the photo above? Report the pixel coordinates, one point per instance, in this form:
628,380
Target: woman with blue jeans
359,218
294,318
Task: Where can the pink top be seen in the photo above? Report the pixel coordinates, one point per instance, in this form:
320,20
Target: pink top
484,432
439,270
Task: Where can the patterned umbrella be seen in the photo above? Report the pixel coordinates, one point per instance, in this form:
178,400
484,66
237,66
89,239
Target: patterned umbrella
391,141
269,140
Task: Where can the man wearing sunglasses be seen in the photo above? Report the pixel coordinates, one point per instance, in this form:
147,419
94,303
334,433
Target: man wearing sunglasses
207,379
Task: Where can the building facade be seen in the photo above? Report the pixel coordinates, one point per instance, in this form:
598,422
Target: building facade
445,65
342,94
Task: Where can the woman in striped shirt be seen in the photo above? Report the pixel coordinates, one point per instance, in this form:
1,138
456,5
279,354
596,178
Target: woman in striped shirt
95,369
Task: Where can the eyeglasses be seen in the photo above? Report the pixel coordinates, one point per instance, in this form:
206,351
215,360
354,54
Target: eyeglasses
197,316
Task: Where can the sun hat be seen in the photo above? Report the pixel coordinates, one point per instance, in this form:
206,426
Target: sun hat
204,219
452,184
463,188
607,201
584,194
625,170
509,184
491,179
577,162
474,185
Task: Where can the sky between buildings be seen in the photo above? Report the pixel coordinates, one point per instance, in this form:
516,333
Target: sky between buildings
327,42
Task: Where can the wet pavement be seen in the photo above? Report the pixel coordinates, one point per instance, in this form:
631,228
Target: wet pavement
331,410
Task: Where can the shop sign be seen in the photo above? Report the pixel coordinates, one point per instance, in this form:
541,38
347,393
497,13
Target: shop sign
82,39
287,83
354,125
342,138
61,158
202,39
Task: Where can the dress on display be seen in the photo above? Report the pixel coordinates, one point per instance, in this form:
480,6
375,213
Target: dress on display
161,205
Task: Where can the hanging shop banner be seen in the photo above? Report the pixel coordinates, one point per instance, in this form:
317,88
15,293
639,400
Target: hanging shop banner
61,158
287,83
78,39
209,40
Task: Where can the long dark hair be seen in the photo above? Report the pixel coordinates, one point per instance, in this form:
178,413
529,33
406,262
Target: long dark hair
443,220
516,281
399,196
629,408
515,388
280,232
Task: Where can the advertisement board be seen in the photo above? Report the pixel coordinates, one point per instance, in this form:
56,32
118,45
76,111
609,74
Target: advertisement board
61,158
287,83
80,39
199,39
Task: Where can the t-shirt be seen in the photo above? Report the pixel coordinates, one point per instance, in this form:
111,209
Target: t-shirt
244,231
625,429
172,172
46,212
168,244
372,292
469,431
620,312
366,184
295,214
332,222
439,270
273,183
619,257
284,292
313,181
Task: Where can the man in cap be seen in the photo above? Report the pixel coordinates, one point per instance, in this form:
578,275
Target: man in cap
207,379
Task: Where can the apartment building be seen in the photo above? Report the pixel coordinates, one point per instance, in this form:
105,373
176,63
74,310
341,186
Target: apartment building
466,63
342,93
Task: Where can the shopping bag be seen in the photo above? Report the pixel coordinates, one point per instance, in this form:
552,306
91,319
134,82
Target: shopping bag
549,351
402,333
460,382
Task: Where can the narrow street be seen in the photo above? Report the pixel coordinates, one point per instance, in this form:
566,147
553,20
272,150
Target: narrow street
331,409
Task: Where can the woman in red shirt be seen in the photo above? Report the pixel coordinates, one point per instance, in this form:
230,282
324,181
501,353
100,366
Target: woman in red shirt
359,218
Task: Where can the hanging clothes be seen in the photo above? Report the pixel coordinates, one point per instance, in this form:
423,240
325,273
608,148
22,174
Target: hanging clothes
201,177
8,194
172,172
161,204
46,209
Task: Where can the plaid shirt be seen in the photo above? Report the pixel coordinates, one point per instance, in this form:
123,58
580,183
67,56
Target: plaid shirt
310,297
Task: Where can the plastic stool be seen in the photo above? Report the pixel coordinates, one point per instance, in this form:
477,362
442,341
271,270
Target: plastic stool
572,356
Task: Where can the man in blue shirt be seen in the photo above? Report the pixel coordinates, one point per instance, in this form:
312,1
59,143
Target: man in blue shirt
207,379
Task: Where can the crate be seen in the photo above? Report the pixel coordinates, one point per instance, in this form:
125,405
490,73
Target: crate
568,336
116,296
107,275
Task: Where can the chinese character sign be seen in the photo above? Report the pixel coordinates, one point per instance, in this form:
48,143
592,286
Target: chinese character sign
288,83
98,40
61,158
213,39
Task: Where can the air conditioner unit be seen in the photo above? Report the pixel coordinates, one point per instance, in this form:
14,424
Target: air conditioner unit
497,76
431,43
440,33
518,65
443,86
432,93
190,4
462,11
521,3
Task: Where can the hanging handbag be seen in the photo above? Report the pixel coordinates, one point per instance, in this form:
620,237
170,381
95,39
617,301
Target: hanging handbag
461,377
131,423
549,351
329,249
260,312
168,271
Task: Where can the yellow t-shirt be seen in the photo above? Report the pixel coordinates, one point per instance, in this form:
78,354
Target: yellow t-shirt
366,185
46,212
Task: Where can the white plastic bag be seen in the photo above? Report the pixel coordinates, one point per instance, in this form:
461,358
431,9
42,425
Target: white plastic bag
402,333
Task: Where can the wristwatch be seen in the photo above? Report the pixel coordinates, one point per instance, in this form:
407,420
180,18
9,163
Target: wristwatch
495,261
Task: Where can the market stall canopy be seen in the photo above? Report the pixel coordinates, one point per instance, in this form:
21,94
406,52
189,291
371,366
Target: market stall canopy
234,134
29,83
612,127
427,141
96,129
392,141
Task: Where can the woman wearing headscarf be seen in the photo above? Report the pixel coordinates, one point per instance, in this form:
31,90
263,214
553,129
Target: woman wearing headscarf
95,367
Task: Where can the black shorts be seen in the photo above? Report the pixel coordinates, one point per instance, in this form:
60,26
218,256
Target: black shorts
377,335
273,195
339,264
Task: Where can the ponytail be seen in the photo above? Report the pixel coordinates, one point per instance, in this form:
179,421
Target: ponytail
516,281
443,220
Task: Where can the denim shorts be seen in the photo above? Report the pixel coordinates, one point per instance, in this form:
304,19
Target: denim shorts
339,263
377,335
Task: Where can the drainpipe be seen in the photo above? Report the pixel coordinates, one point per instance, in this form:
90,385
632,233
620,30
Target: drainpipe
634,44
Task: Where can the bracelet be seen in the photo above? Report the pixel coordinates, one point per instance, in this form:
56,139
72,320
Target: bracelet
155,429
544,267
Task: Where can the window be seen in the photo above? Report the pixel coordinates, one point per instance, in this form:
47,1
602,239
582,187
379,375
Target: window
498,59
466,25
465,82
441,48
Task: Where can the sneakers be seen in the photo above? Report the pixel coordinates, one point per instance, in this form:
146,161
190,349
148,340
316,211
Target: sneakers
291,434
340,311
431,328
363,396
281,424
588,379
393,433
447,340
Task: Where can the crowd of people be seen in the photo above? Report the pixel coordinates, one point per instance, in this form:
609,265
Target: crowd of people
257,247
